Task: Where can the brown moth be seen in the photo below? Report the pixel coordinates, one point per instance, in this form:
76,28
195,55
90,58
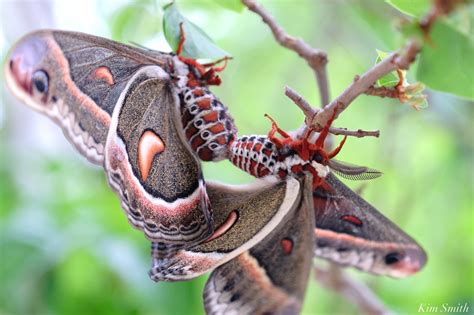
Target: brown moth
271,277
147,117
349,231
124,107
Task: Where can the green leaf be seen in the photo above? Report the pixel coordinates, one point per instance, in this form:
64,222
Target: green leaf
233,5
197,44
414,8
447,64
388,80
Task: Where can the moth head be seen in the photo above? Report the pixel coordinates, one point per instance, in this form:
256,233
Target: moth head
28,71
320,156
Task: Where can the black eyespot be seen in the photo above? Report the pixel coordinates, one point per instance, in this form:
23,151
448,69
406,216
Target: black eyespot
392,258
229,286
235,297
40,81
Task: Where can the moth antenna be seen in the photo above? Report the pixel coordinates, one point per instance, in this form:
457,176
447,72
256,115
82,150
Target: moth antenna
353,172
218,69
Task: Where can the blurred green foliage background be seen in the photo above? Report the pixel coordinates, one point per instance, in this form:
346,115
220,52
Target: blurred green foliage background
65,244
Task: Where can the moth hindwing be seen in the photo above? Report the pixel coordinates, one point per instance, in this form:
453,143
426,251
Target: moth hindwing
271,277
243,216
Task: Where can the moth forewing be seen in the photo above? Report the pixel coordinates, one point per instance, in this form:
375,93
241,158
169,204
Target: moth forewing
84,123
151,167
350,232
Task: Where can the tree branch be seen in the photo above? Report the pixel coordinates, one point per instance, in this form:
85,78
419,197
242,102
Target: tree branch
359,133
306,107
310,112
397,60
317,59
355,291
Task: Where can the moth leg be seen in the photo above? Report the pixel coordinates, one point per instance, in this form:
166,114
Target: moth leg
182,38
211,78
271,134
210,75
218,69
334,152
324,132
189,61
304,150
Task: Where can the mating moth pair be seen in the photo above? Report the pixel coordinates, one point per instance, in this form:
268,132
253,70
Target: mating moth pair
149,118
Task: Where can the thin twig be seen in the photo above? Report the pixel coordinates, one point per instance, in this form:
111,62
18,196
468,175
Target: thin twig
310,112
316,58
306,107
359,133
397,60
355,291
382,91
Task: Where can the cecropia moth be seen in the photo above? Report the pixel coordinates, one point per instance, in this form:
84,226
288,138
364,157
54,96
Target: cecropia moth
149,118
144,115
349,231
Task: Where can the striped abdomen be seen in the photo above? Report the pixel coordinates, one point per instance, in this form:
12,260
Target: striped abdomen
259,156
207,124
256,155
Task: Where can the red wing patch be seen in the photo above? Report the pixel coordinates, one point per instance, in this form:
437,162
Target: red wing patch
352,219
287,246
103,73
